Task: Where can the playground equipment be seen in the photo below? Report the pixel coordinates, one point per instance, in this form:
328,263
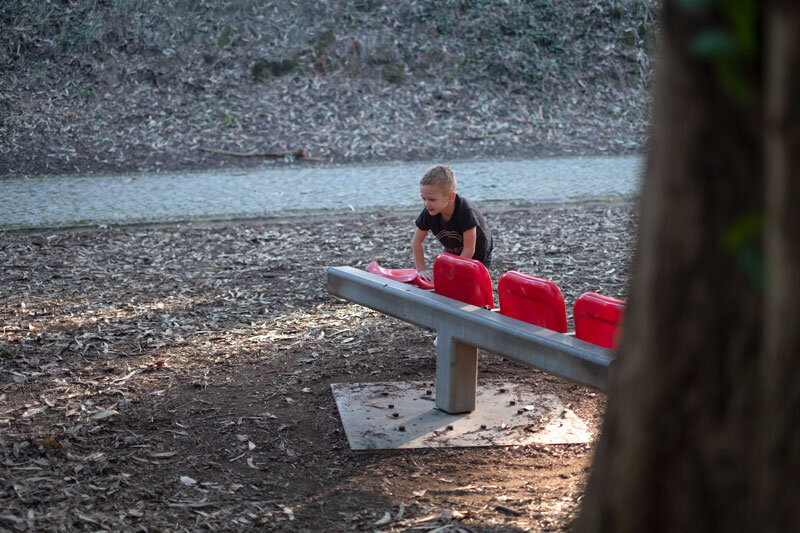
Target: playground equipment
533,300
403,275
598,319
463,328
531,327
465,280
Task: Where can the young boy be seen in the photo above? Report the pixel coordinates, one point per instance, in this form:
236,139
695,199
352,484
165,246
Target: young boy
454,220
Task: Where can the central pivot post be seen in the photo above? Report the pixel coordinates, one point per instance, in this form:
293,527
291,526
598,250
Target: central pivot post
456,375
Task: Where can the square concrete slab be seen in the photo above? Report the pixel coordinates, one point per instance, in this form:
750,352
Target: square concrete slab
395,414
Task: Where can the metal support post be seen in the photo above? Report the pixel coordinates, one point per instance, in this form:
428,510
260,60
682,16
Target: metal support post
456,375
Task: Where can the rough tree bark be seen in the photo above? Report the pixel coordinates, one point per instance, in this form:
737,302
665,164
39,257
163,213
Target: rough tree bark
701,429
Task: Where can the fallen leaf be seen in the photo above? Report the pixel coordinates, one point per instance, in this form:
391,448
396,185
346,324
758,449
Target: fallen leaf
53,443
102,415
288,511
385,520
35,411
163,455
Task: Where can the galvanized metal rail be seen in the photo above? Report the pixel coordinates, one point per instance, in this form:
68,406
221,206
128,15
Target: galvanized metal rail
464,328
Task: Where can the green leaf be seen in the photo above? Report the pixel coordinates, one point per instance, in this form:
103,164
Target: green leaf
695,5
714,45
394,74
751,261
743,17
225,38
743,240
743,230
735,83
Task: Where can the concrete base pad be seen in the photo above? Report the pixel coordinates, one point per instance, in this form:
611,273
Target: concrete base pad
397,414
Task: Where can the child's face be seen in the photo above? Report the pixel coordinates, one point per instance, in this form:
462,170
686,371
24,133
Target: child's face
436,199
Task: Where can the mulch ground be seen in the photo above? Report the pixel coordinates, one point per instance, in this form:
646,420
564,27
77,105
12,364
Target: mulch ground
178,378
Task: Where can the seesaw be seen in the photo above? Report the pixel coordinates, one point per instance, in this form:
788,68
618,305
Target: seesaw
403,275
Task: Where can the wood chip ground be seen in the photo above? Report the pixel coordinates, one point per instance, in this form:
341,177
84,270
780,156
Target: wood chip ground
178,378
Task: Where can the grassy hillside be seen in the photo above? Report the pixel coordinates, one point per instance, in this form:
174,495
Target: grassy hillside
99,85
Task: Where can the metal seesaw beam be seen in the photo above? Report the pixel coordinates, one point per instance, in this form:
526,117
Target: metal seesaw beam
464,328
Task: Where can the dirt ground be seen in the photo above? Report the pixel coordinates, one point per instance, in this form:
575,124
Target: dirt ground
177,378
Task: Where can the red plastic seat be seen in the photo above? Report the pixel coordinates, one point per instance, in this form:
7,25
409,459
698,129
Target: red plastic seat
532,300
465,280
422,284
404,275
598,319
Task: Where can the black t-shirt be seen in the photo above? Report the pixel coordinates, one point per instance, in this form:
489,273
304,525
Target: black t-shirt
451,233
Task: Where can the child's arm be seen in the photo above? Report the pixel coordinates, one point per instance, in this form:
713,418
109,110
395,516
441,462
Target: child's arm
419,254
470,236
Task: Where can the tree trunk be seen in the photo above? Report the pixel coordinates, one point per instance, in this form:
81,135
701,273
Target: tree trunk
779,463
679,450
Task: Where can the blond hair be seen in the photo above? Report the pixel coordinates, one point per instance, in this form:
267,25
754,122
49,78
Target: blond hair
440,176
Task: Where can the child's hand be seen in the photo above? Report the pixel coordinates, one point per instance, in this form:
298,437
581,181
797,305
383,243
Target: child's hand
426,275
